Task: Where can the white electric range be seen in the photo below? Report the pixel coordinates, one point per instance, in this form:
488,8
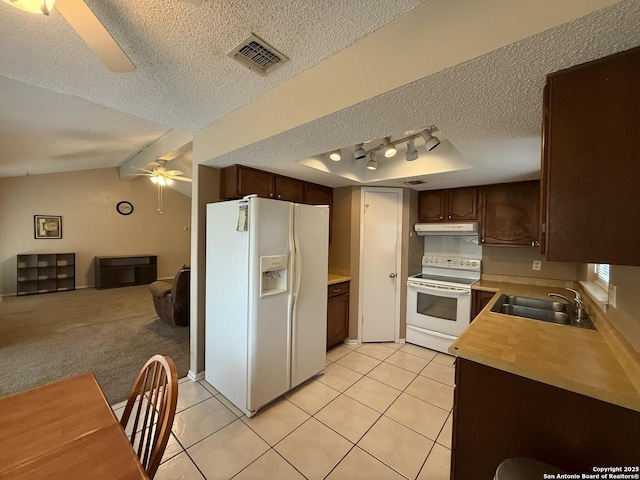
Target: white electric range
439,300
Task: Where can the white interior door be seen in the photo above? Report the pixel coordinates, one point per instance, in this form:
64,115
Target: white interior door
381,229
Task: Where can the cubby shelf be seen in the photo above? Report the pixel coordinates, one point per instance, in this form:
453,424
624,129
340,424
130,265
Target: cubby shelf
45,273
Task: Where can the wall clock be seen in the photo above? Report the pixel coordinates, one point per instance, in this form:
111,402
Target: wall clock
124,208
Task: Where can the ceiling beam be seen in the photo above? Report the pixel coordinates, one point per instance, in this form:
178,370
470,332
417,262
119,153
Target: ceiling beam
169,146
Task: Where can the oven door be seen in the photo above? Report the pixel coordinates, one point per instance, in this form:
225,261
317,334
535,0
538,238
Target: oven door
438,308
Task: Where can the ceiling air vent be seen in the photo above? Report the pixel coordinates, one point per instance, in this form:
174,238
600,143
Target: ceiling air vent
258,55
415,182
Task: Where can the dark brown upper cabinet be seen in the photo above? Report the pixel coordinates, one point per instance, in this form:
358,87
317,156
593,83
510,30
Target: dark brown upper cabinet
591,162
289,189
510,214
237,181
315,194
451,205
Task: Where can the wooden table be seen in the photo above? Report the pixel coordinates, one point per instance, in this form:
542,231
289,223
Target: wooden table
64,430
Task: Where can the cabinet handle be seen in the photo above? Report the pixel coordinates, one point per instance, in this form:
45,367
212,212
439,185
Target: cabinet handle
534,243
336,290
482,240
271,194
279,196
441,218
449,216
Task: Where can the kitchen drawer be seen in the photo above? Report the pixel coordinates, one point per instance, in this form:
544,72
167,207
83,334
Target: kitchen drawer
337,289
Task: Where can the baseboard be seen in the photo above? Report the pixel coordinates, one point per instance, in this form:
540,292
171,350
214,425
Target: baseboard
350,341
195,377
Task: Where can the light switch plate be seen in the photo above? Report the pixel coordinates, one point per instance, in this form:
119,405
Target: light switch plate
613,290
537,264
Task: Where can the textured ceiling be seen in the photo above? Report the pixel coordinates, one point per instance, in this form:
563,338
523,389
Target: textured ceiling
490,108
55,91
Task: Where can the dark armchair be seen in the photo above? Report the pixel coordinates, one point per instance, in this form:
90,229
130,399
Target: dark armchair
172,301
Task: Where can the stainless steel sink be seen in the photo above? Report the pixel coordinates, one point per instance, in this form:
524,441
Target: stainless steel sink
543,310
536,313
534,303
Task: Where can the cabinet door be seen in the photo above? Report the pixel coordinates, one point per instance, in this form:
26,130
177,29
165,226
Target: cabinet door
463,204
289,189
317,194
591,180
337,313
510,214
432,205
479,300
256,181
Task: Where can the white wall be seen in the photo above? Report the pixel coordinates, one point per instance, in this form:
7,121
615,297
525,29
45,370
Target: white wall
91,227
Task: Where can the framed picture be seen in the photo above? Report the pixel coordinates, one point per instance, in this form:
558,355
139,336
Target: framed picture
47,226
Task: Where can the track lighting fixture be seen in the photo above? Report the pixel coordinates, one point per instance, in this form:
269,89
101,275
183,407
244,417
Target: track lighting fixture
412,153
389,148
372,164
430,142
359,154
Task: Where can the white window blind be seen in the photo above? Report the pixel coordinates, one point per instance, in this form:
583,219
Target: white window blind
602,275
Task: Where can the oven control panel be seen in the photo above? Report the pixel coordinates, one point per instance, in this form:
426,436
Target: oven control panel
458,263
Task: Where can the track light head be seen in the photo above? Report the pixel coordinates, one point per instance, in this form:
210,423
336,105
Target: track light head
412,153
359,154
389,148
335,155
430,142
372,164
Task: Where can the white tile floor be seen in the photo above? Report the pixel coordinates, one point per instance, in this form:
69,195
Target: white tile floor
380,411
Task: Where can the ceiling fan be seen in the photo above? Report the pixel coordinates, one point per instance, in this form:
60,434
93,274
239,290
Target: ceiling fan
160,175
87,25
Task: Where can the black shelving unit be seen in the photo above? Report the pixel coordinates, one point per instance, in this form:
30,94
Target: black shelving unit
45,273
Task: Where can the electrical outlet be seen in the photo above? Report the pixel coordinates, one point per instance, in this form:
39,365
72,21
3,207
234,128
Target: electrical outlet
613,290
537,265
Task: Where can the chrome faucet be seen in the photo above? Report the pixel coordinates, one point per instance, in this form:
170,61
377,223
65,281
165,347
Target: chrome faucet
576,303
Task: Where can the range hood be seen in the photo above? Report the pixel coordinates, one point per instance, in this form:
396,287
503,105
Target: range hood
447,228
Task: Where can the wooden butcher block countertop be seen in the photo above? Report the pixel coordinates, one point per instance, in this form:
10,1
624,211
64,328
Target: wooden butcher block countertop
575,359
337,275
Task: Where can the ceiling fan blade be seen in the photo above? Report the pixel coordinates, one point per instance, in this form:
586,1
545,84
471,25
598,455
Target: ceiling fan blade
87,25
182,179
139,174
174,172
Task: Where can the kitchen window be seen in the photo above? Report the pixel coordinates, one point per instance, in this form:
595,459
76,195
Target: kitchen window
602,275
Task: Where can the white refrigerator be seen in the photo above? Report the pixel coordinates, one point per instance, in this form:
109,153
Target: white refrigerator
266,300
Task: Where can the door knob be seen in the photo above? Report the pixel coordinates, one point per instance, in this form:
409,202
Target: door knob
392,275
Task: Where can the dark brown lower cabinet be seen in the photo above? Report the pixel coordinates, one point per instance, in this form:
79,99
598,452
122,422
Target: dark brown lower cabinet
479,300
499,415
337,313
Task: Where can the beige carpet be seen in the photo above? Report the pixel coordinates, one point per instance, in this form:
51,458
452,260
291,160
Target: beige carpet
44,338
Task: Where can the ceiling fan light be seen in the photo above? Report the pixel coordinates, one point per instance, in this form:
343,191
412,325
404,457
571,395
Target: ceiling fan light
412,153
153,179
430,142
169,181
389,149
335,155
33,6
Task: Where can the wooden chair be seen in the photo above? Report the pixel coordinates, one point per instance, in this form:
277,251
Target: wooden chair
153,402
